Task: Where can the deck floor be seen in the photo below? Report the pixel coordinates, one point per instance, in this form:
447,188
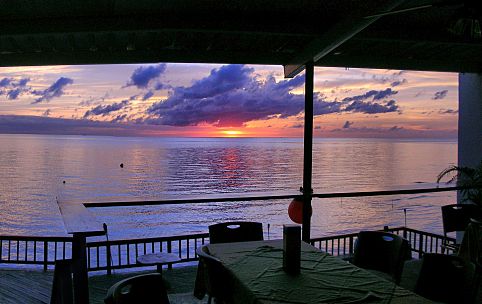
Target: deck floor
30,286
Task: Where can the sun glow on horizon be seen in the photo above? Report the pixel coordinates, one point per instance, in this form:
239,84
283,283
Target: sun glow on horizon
232,133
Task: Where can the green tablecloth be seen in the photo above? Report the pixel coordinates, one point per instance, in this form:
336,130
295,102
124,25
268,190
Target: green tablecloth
258,277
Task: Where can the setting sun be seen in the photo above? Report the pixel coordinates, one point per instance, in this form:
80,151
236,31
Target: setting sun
232,133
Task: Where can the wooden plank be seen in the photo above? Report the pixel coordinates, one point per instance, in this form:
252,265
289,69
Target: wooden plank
264,196
78,220
212,198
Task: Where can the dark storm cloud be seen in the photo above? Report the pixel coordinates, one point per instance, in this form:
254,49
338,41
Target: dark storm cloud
94,100
13,124
55,90
119,118
347,124
13,94
373,94
226,79
148,95
232,96
398,82
372,107
142,76
395,128
448,111
440,95
23,82
106,109
5,82
12,88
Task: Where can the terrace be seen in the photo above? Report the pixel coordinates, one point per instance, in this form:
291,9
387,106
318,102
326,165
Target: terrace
395,34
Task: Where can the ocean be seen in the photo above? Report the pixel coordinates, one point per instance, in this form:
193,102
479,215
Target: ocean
36,171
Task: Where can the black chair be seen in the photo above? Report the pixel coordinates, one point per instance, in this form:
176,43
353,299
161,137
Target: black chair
383,252
146,288
447,279
471,245
229,232
214,276
455,218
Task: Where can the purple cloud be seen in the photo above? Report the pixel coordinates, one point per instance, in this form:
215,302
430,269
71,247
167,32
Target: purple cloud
372,107
6,82
148,95
106,109
395,128
232,95
440,95
23,82
226,79
119,118
347,124
12,89
373,94
398,82
448,111
55,90
142,76
13,94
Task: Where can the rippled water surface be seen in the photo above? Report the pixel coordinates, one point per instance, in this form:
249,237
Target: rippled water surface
33,169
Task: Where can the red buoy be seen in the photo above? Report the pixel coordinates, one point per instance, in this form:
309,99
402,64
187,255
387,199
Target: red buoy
295,210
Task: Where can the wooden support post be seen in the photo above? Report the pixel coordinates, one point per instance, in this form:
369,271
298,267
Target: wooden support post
308,152
79,269
81,224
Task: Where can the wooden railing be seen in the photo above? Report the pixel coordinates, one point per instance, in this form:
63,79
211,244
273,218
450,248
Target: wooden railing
420,242
34,249
123,253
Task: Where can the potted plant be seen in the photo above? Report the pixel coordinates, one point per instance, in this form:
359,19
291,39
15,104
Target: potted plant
467,177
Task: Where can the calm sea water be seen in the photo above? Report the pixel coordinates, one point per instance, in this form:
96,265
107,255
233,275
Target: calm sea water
34,167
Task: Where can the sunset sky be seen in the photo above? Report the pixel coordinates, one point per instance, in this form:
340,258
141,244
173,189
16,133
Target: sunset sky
205,100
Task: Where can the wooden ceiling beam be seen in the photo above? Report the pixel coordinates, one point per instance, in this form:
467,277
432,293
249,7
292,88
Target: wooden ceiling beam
382,61
334,37
103,56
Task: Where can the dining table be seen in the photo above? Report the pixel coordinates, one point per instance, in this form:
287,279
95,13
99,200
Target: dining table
255,275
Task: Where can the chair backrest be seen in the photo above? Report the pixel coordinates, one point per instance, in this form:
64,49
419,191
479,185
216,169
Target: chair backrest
62,288
229,232
471,246
214,274
145,288
381,251
446,278
456,217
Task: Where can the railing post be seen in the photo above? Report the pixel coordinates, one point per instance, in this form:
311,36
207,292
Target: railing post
420,246
46,255
109,260
350,244
169,250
